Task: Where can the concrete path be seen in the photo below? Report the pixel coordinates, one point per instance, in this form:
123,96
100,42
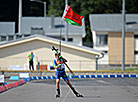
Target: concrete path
94,90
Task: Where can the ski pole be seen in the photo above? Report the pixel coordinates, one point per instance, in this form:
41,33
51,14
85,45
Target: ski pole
54,49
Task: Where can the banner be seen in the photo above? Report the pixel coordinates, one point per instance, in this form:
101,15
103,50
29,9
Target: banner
1,78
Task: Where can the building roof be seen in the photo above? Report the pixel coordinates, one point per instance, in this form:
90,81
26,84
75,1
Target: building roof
7,28
52,42
113,22
47,22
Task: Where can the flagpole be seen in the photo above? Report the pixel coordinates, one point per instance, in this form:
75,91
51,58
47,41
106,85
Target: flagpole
60,38
66,37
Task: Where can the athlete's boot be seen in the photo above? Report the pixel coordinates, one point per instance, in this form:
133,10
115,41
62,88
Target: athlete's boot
76,93
58,93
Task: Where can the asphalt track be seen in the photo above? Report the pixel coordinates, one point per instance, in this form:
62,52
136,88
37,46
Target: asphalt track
94,90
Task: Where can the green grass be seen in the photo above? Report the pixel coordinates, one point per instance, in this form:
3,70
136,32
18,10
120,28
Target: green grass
131,69
126,69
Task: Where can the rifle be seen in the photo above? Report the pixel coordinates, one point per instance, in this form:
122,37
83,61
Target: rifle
56,50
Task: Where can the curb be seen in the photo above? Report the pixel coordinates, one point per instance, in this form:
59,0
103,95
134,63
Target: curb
12,85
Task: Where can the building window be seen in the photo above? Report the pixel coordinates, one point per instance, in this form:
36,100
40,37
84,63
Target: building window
58,37
37,31
26,35
69,39
3,38
101,40
105,52
136,52
136,36
18,36
10,37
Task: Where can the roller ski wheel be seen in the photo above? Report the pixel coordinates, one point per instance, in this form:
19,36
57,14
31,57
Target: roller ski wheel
57,96
79,95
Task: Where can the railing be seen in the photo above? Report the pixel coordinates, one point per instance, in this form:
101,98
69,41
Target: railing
74,64
16,63
117,65
22,63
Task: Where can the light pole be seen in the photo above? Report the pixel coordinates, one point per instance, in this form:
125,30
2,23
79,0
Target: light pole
42,3
20,17
123,35
44,9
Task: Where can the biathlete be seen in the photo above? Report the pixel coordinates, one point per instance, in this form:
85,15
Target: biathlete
60,72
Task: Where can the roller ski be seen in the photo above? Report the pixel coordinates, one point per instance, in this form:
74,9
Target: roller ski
76,93
57,96
58,93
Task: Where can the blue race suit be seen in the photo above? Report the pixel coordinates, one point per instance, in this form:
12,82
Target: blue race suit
60,72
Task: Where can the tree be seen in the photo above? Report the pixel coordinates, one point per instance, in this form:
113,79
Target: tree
56,7
132,6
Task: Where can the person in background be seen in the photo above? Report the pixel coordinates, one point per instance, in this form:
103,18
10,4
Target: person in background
31,57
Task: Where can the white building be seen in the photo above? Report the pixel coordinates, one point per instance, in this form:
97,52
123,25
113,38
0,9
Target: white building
14,54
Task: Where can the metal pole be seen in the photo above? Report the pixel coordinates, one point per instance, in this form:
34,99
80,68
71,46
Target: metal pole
66,37
60,38
20,16
44,9
44,17
96,63
123,35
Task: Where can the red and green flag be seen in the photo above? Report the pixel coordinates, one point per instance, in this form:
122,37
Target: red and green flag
72,18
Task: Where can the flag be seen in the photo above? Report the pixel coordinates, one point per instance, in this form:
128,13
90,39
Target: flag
72,18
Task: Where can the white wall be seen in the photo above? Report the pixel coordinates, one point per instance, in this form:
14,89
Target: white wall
94,38
104,60
136,48
136,42
17,55
77,40
136,58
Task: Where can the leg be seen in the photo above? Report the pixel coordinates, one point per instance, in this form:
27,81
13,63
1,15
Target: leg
73,89
66,79
70,85
30,65
57,85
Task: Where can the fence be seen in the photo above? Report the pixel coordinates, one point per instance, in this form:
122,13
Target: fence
117,65
22,63
74,64
16,63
